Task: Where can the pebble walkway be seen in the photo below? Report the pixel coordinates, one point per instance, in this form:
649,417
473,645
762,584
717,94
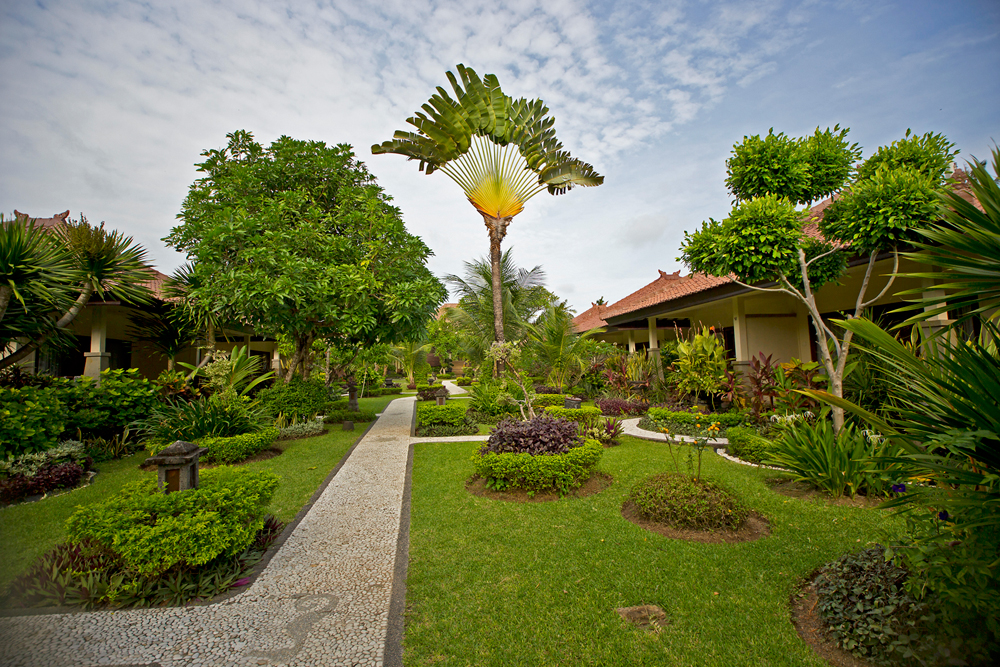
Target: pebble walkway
323,600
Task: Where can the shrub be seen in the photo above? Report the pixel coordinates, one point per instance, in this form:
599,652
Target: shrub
573,414
151,531
28,465
302,429
467,426
463,381
541,435
427,392
546,400
619,407
687,423
486,400
863,602
53,476
746,444
31,419
339,416
211,417
605,430
562,472
835,463
339,404
681,501
88,574
105,408
547,389
450,414
237,448
296,400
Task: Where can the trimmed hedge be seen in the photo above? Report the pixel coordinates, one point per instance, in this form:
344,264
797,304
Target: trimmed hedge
584,414
745,444
450,414
463,381
238,447
152,531
560,472
686,423
548,400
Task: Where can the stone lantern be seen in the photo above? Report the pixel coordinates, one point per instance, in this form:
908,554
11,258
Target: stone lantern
177,466
441,395
572,403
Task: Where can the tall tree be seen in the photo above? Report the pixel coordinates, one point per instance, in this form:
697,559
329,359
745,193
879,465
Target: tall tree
764,242
298,239
499,150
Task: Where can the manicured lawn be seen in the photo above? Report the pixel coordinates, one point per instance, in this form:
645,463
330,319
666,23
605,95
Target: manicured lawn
499,583
30,529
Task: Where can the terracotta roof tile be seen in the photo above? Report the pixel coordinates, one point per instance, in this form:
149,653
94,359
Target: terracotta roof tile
590,318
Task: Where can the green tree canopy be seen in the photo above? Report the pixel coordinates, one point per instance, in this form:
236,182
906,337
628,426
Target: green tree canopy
298,239
764,243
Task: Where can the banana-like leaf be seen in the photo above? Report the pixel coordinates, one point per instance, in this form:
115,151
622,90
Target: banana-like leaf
522,159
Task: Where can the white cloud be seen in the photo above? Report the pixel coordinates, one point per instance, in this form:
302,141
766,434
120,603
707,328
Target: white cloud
108,105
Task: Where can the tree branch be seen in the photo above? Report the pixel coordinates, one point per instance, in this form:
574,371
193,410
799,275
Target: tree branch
892,279
828,252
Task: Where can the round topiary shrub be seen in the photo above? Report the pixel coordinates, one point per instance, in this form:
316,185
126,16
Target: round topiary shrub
683,502
540,454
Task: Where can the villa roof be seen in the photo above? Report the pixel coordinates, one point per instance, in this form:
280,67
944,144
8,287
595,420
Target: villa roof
670,286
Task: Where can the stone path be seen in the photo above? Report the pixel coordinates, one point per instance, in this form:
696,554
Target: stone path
322,600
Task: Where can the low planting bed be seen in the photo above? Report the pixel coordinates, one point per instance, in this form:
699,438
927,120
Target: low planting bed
499,583
542,454
38,473
586,413
237,448
746,445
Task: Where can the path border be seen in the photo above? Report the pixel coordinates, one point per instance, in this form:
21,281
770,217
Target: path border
392,653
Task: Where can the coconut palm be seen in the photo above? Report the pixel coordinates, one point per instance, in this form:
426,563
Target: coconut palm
500,151
557,344
522,295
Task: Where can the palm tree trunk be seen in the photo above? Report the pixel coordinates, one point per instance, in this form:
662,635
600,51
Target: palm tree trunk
5,293
498,229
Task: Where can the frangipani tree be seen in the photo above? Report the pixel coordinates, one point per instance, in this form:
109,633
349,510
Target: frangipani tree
764,245
500,151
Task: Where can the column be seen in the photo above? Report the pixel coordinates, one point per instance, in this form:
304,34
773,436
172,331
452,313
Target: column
743,353
275,358
654,346
631,342
98,359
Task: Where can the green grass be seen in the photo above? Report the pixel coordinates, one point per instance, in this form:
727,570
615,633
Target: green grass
31,529
499,583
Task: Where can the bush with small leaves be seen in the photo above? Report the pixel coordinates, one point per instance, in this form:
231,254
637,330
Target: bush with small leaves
302,429
340,416
583,414
621,407
684,502
151,531
238,448
746,444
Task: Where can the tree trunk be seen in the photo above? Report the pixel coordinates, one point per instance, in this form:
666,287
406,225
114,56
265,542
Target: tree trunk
498,230
495,257
5,293
298,358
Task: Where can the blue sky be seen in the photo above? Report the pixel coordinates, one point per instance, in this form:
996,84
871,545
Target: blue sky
107,106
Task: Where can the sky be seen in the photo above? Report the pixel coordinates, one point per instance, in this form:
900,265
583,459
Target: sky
107,106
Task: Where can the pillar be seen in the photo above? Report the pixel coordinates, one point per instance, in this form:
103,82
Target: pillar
631,342
654,346
276,359
98,359
802,326
743,353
